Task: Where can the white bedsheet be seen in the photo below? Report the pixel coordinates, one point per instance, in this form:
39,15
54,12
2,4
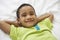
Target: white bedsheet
8,11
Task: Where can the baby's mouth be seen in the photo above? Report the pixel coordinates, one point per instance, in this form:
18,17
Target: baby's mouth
29,21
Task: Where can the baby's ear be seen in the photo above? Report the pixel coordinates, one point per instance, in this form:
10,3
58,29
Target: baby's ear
18,21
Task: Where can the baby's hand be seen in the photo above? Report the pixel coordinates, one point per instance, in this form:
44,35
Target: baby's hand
46,15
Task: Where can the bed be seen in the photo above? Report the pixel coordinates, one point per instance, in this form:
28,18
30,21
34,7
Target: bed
8,12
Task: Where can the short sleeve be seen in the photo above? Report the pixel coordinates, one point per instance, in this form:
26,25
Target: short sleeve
13,32
48,23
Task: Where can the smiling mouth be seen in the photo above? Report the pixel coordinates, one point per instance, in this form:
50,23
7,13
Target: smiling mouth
29,21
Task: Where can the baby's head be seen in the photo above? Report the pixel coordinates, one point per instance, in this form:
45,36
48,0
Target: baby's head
26,15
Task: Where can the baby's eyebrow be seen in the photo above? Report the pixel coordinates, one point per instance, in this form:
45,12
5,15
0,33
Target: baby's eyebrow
31,11
23,13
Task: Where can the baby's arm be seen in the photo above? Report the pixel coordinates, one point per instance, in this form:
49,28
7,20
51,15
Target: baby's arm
47,15
5,25
15,23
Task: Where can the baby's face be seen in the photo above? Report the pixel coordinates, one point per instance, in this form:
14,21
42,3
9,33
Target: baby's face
27,16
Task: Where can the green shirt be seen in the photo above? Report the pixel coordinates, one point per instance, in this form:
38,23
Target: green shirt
42,31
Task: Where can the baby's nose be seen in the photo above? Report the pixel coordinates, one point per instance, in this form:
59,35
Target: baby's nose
29,17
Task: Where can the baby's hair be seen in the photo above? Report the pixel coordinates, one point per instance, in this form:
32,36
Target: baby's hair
17,13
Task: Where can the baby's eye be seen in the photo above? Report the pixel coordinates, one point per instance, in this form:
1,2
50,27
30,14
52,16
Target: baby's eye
23,15
31,13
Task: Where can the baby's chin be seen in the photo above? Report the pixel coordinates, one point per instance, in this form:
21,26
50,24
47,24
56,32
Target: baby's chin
29,25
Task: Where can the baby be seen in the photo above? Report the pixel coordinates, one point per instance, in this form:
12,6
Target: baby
28,26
